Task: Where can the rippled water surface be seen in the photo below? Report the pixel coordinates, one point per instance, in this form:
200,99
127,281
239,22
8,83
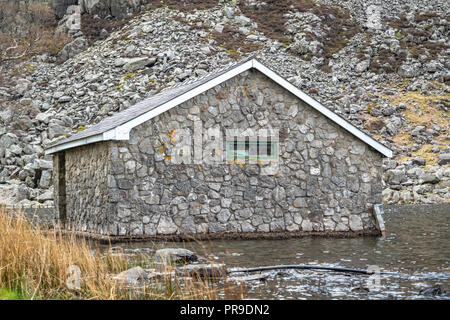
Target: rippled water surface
417,247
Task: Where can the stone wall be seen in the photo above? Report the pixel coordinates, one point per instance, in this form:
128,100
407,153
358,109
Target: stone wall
44,217
87,192
328,180
59,199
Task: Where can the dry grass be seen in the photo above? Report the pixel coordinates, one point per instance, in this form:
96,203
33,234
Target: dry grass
92,27
28,29
424,152
235,42
422,109
34,265
372,124
402,139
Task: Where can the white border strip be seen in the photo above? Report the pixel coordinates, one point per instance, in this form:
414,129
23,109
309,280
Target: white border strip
322,109
76,143
122,132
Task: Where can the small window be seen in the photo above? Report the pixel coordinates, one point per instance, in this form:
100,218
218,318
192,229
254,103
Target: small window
246,149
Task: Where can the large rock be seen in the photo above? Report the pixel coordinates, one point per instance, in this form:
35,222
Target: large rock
101,8
166,226
135,64
409,70
60,6
429,177
355,223
132,276
8,139
395,176
73,48
43,117
47,195
22,192
444,159
300,47
43,164
362,66
202,270
22,86
56,128
175,255
46,179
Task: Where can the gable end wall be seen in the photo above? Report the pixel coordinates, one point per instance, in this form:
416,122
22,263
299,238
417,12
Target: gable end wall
328,180
87,188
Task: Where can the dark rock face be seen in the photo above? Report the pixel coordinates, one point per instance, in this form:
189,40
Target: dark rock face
102,8
444,159
111,8
60,6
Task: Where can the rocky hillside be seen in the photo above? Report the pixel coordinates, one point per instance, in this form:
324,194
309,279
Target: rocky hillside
384,68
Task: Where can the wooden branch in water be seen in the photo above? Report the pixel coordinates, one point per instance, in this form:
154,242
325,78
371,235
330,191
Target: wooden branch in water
307,267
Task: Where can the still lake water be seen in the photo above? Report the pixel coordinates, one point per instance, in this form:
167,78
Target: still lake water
417,247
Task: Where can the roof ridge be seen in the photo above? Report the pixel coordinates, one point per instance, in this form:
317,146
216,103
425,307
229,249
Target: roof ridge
168,98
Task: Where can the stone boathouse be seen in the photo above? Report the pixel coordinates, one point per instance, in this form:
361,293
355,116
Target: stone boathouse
239,152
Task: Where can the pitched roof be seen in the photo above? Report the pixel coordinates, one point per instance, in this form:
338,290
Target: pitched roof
118,126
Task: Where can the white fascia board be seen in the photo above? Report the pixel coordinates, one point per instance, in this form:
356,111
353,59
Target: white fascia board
122,132
73,144
116,134
322,109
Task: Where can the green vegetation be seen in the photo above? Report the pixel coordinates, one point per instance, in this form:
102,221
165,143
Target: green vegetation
129,76
370,105
6,294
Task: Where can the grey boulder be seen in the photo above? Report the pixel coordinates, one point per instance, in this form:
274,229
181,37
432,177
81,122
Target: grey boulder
175,255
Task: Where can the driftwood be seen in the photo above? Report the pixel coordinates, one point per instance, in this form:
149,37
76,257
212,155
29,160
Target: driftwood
5,57
307,267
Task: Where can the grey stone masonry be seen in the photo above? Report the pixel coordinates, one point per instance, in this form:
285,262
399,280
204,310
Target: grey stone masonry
327,182
86,188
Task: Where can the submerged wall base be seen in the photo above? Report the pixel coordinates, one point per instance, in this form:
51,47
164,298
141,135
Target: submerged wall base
105,239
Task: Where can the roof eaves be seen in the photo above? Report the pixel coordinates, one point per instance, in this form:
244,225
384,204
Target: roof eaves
322,109
195,91
121,131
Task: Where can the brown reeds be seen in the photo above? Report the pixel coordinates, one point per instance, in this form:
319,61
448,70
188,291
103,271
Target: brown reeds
42,264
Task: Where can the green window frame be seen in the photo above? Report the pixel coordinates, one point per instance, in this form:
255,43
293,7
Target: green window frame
251,150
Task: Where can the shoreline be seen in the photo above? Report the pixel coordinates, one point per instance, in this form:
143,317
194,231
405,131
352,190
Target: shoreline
280,235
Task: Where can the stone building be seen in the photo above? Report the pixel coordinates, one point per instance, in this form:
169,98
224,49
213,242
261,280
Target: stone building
311,173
